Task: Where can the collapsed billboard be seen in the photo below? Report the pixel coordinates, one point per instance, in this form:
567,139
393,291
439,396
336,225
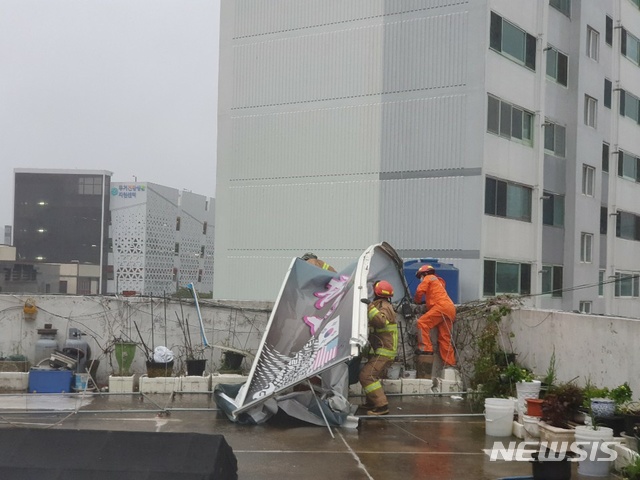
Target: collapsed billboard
317,325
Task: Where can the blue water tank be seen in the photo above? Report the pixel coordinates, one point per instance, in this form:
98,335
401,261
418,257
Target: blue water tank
449,273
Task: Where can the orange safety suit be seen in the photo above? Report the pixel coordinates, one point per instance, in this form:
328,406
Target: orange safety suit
383,341
319,263
441,313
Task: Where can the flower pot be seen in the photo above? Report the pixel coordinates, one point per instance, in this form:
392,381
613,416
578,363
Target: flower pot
534,407
551,466
196,367
596,463
526,390
232,360
603,407
125,352
157,369
630,421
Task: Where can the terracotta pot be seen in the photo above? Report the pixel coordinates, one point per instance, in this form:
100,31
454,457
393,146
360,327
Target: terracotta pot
534,407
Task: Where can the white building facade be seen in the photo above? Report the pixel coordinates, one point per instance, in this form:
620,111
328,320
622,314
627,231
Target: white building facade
500,136
161,239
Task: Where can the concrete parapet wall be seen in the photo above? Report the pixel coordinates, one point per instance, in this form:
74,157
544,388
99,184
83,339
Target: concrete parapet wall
602,349
103,318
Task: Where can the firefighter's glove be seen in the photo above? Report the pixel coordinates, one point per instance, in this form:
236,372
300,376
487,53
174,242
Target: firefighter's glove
419,309
365,301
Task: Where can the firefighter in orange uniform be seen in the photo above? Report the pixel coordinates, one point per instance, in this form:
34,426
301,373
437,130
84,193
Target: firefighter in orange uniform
383,347
314,260
440,314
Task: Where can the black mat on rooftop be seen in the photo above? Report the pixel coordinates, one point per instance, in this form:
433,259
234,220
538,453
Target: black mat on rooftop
35,454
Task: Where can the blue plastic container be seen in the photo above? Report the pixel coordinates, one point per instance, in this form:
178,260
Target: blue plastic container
449,273
43,380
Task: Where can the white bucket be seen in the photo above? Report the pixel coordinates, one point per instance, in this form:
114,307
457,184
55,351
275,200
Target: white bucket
597,467
393,372
531,427
527,390
498,414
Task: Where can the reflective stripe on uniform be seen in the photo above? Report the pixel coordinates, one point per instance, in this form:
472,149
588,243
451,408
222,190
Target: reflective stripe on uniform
373,387
393,328
325,266
373,311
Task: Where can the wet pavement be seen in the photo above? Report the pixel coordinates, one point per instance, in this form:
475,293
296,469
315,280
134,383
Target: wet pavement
431,437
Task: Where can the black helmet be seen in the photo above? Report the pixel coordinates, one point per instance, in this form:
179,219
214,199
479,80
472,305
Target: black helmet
308,256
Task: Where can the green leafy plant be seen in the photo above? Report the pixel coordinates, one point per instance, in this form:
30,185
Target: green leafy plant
591,391
632,471
549,379
630,408
515,373
560,405
621,394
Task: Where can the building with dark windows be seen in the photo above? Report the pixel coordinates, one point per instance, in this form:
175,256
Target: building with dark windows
62,217
501,136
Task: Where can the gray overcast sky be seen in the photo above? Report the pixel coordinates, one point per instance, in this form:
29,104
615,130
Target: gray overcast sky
128,86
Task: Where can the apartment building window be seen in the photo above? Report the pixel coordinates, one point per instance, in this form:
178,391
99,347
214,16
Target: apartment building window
604,219
505,277
628,226
605,157
601,283
509,121
177,224
627,284
588,180
176,248
590,111
557,66
204,228
553,209
593,39
512,42
636,2
585,306
199,275
628,167
630,46
202,251
629,106
506,199
608,30
607,93
552,280
90,185
563,6
586,247
555,139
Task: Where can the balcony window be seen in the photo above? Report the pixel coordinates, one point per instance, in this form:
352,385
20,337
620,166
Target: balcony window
605,157
588,180
593,39
555,139
590,111
553,209
601,283
627,284
512,42
628,167
608,30
586,247
552,280
607,93
604,219
509,200
509,121
629,106
630,47
563,6
505,277
557,66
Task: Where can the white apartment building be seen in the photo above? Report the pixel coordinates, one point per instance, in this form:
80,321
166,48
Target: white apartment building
501,136
161,239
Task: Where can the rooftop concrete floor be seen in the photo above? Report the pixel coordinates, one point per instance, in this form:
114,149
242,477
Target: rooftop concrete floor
404,444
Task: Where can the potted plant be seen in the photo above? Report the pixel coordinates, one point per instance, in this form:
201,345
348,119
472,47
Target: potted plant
159,360
606,409
558,409
591,437
630,411
194,354
526,385
632,471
